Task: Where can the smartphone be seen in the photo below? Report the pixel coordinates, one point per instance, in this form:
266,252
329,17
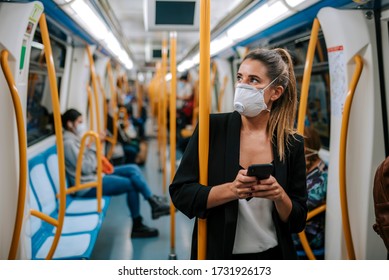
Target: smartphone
261,171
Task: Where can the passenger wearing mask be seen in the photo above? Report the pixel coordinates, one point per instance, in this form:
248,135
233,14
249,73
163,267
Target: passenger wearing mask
184,101
260,130
317,173
126,179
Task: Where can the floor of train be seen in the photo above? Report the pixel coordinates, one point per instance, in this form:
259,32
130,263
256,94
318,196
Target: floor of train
114,241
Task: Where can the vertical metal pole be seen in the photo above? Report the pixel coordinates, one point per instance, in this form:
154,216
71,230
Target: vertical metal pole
94,87
173,96
164,111
58,132
205,38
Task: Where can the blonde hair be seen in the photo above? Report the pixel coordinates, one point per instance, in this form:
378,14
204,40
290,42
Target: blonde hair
279,66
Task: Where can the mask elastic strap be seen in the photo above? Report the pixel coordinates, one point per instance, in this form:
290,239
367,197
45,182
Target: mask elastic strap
312,152
263,90
271,83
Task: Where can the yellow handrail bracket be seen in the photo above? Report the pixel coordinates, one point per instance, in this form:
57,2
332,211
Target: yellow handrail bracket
58,132
342,156
22,154
98,184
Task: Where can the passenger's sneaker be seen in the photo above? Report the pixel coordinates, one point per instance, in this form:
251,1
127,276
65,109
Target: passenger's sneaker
140,230
158,207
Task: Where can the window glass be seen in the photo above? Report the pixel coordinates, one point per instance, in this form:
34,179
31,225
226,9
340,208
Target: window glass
318,105
39,106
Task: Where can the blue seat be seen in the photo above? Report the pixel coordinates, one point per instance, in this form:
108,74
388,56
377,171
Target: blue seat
75,205
70,246
82,222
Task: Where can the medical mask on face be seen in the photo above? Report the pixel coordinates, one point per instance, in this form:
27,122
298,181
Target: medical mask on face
81,129
249,101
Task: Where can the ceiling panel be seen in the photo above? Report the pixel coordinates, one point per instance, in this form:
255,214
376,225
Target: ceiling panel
129,15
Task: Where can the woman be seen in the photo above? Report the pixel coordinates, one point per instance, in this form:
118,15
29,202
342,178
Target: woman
260,130
317,173
124,179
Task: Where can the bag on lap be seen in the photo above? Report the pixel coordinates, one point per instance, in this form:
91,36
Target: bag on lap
107,166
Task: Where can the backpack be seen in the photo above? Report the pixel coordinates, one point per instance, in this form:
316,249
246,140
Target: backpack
381,201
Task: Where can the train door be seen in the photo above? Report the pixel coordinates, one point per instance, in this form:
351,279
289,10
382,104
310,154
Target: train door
348,33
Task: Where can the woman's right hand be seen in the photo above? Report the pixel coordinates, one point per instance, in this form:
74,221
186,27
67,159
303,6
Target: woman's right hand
242,185
240,188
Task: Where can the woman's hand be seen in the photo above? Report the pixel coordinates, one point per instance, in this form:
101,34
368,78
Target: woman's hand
243,185
268,188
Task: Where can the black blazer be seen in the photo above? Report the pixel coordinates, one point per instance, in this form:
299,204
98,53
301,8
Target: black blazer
190,197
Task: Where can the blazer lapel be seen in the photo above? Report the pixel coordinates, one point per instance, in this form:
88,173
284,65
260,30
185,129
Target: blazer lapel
231,165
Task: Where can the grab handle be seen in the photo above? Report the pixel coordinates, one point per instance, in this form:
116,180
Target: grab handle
342,157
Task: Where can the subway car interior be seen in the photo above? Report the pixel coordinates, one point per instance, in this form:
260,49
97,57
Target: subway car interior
121,65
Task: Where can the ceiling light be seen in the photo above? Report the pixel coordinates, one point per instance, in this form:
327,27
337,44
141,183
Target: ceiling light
84,15
220,43
293,3
89,19
266,15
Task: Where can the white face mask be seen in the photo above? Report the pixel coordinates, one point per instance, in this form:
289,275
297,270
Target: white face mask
311,152
249,101
81,129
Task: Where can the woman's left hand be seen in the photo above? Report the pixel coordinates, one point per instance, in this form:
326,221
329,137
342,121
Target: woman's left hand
268,188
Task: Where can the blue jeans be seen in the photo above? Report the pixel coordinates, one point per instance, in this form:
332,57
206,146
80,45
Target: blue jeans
128,179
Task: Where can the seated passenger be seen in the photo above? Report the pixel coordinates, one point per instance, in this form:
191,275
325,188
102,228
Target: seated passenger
184,101
135,149
124,179
317,172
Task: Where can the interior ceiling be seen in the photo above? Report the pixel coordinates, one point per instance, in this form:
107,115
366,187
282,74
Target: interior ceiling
129,16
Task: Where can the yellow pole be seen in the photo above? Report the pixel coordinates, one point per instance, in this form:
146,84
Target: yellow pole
205,38
90,100
99,189
113,102
139,91
173,96
303,109
105,106
307,76
159,95
164,111
94,86
22,155
58,132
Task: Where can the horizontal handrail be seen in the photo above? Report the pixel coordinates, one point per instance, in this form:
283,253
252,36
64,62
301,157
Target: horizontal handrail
73,189
44,217
318,210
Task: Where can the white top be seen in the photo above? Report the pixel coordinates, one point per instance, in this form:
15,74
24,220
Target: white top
255,231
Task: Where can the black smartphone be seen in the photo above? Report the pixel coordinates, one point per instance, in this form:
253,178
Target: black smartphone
261,171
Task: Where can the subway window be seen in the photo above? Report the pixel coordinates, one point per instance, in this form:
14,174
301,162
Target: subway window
40,123
318,106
